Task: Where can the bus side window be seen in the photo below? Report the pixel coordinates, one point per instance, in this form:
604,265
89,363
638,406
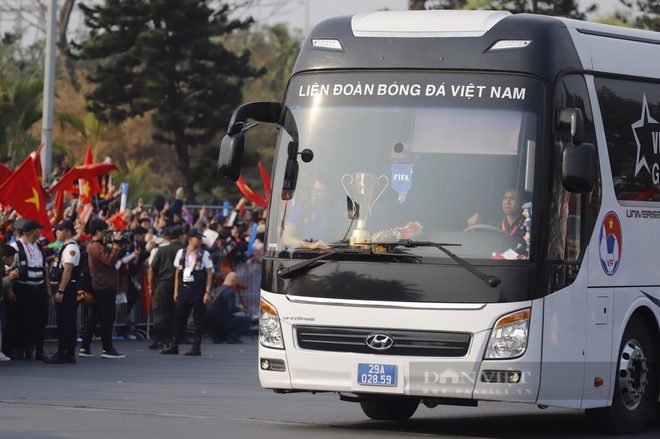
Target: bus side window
573,215
573,221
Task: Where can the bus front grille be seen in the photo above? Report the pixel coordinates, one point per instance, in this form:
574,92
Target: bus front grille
404,342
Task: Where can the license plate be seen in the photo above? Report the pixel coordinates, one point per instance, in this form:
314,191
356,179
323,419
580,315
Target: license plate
376,374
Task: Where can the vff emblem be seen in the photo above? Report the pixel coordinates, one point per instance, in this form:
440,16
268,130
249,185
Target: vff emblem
379,342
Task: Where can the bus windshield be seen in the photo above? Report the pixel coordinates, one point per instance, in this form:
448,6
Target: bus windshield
447,158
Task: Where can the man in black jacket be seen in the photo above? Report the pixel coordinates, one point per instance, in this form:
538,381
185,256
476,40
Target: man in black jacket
161,285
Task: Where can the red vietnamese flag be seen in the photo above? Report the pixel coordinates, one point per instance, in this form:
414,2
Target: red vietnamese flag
265,179
5,173
245,189
117,220
90,186
84,213
87,172
22,191
58,207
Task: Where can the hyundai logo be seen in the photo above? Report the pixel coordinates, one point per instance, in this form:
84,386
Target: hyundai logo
379,342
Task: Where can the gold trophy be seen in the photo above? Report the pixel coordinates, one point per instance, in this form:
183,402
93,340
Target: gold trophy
361,196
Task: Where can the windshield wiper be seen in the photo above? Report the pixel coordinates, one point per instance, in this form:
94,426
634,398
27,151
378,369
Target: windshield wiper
492,281
288,272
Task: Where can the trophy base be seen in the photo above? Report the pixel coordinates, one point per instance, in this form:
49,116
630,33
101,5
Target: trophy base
359,237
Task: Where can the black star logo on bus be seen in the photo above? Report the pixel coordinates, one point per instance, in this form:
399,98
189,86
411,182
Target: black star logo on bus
643,131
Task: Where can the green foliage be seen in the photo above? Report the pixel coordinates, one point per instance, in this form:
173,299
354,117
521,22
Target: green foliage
165,56
416,5
21,90
90,127
20,108
273,51
562,8
21,63
138,178
647,15
616,18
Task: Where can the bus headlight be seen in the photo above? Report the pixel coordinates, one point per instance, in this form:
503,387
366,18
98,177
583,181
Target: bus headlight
508,339
270,330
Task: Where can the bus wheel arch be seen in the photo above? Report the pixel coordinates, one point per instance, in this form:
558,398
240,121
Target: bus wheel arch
389,408
636,378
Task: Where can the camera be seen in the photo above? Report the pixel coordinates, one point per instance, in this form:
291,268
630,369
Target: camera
126,237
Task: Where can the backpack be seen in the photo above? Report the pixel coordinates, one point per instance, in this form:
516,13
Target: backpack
85,282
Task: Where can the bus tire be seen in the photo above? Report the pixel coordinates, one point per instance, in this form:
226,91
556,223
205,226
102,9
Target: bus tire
635,383
389,408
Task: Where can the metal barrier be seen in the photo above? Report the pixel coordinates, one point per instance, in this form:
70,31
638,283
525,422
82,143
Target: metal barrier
249,274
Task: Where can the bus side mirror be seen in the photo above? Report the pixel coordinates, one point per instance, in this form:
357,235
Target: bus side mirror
572,117
268,112
231,157
578,168
231,149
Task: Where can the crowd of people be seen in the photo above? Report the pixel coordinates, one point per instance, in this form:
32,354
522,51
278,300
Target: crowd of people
181,259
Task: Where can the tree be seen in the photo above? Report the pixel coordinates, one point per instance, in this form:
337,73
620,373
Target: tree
562,8
139,180
34,15
616,18
416,5
273,50
20,63
165,57
89,127
20,108
648,15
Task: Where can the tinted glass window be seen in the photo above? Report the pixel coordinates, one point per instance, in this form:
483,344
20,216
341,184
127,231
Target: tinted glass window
438,157
631,113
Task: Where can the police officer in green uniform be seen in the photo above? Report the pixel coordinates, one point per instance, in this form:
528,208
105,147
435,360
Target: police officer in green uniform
161,285
192,287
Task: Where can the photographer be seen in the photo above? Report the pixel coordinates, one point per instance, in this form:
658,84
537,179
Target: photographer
102,261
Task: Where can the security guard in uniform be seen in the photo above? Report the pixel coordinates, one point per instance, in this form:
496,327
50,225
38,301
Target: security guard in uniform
162,273
192,288
64,274
32,290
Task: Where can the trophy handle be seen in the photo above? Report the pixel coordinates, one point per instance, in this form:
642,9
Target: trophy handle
381,192
346,190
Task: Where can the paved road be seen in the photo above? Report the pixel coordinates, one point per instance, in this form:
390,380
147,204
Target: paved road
218,395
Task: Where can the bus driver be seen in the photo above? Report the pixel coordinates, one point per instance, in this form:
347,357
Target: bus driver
513,218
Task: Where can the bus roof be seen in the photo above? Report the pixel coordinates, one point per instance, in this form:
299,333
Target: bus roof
494,41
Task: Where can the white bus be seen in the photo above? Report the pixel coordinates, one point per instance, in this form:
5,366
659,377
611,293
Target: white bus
398,269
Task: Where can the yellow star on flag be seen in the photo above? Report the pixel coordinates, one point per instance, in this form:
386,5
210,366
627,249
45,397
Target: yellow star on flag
611,223
35,199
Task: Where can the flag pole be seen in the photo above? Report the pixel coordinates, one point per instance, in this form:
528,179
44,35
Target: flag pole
49,94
